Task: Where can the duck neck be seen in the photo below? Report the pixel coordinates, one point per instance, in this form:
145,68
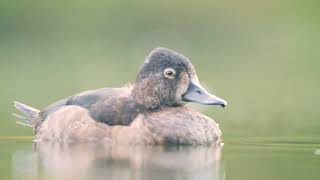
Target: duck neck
153,94
146,98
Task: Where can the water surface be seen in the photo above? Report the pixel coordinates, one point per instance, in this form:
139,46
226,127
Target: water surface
238,159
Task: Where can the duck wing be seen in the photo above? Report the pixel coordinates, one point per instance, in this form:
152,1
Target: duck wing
83,99
112,106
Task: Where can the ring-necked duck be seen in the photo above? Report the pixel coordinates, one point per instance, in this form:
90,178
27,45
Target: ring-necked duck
151,111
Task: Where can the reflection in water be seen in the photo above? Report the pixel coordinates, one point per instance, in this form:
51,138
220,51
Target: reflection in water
87,161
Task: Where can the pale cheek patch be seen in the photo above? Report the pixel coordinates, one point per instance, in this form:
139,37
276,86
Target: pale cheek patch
182,87
195,79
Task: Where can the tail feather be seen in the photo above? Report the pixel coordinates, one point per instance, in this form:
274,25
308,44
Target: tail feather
22,118
30,114
24,124
27,110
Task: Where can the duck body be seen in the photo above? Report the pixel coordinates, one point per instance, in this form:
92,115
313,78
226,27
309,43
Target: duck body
151,111
173,126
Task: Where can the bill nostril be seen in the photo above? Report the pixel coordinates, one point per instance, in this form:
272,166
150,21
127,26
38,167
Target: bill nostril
199,92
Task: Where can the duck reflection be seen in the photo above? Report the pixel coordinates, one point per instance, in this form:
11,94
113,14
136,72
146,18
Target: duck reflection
92,161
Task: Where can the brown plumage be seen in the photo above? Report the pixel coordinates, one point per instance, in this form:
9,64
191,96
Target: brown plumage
149,112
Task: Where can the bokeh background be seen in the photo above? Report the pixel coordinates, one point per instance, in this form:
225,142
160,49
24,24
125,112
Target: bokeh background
261,56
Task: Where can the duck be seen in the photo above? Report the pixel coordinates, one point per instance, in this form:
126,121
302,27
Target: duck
152,111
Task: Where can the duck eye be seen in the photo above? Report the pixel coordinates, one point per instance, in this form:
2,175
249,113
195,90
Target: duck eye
169,73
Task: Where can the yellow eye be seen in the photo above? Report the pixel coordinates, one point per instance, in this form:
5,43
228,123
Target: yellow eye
169,73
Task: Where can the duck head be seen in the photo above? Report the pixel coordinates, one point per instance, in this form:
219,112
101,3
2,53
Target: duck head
168,79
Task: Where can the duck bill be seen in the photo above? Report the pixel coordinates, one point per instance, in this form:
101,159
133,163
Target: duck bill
196,93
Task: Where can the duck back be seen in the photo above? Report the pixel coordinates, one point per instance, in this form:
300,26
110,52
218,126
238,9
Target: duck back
112,106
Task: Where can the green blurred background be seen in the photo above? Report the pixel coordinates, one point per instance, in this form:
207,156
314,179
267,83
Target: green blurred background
261,56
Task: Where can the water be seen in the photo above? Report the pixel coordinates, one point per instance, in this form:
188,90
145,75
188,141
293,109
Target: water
235,160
